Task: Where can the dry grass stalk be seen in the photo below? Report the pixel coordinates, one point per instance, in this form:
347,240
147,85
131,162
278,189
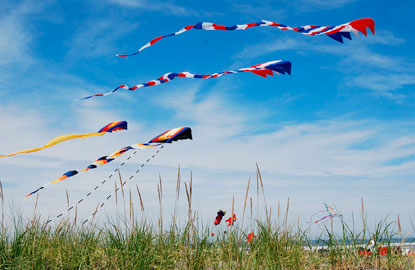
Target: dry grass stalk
116,194
93,214
246,199
286,215
129,191
141,199
67,198
160,193
257,194
263,192
177,197
363,213
122,192
2,205
189,202
230,234
132,210
76,215
399,226
251,207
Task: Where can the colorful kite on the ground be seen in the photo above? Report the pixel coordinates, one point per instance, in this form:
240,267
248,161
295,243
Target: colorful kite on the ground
264,69
114,126
250,237
329,210
231,220
335,32
219,217
169,136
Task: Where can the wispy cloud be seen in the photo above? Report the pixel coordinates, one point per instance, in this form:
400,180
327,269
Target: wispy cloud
353,57
96,38
16,39
165,7
322,148
324,4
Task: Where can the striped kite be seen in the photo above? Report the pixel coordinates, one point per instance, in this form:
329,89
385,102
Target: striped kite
264,69
169,136
114,126
335,32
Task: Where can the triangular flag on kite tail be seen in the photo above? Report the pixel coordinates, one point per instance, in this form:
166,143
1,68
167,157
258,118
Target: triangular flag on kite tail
169,136
264,69
114,126
337,32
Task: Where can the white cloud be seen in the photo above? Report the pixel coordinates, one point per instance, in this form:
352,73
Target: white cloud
383,82
16,39
97,38
321,148
165,7
325,4
393,72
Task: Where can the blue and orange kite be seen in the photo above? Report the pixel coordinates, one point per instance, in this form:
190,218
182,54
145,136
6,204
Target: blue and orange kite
114,126
169,136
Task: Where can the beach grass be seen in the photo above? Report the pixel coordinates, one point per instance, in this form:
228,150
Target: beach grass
132,242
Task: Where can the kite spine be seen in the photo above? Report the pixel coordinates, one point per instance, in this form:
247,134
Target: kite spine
102,203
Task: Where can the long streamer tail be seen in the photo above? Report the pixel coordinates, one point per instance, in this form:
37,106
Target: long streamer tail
91,191
337,32
264,69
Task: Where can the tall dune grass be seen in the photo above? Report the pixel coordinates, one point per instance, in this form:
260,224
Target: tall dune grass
133,243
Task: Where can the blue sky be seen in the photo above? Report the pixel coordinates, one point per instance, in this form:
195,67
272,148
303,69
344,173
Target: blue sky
341,127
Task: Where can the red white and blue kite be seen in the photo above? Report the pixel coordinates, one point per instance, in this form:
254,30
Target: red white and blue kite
169,136
264,69
114,126
335,32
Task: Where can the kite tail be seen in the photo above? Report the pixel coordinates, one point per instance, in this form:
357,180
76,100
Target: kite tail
335,32
92,190
311,218
106,94
152,42
102,203
317,221
264,69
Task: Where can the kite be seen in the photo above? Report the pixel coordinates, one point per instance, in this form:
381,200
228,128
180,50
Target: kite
250,237
169,136
330,211
264,69
231,220
114,126
219,217
335,32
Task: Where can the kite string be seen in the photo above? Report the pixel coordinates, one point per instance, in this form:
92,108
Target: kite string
101,204
92,190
